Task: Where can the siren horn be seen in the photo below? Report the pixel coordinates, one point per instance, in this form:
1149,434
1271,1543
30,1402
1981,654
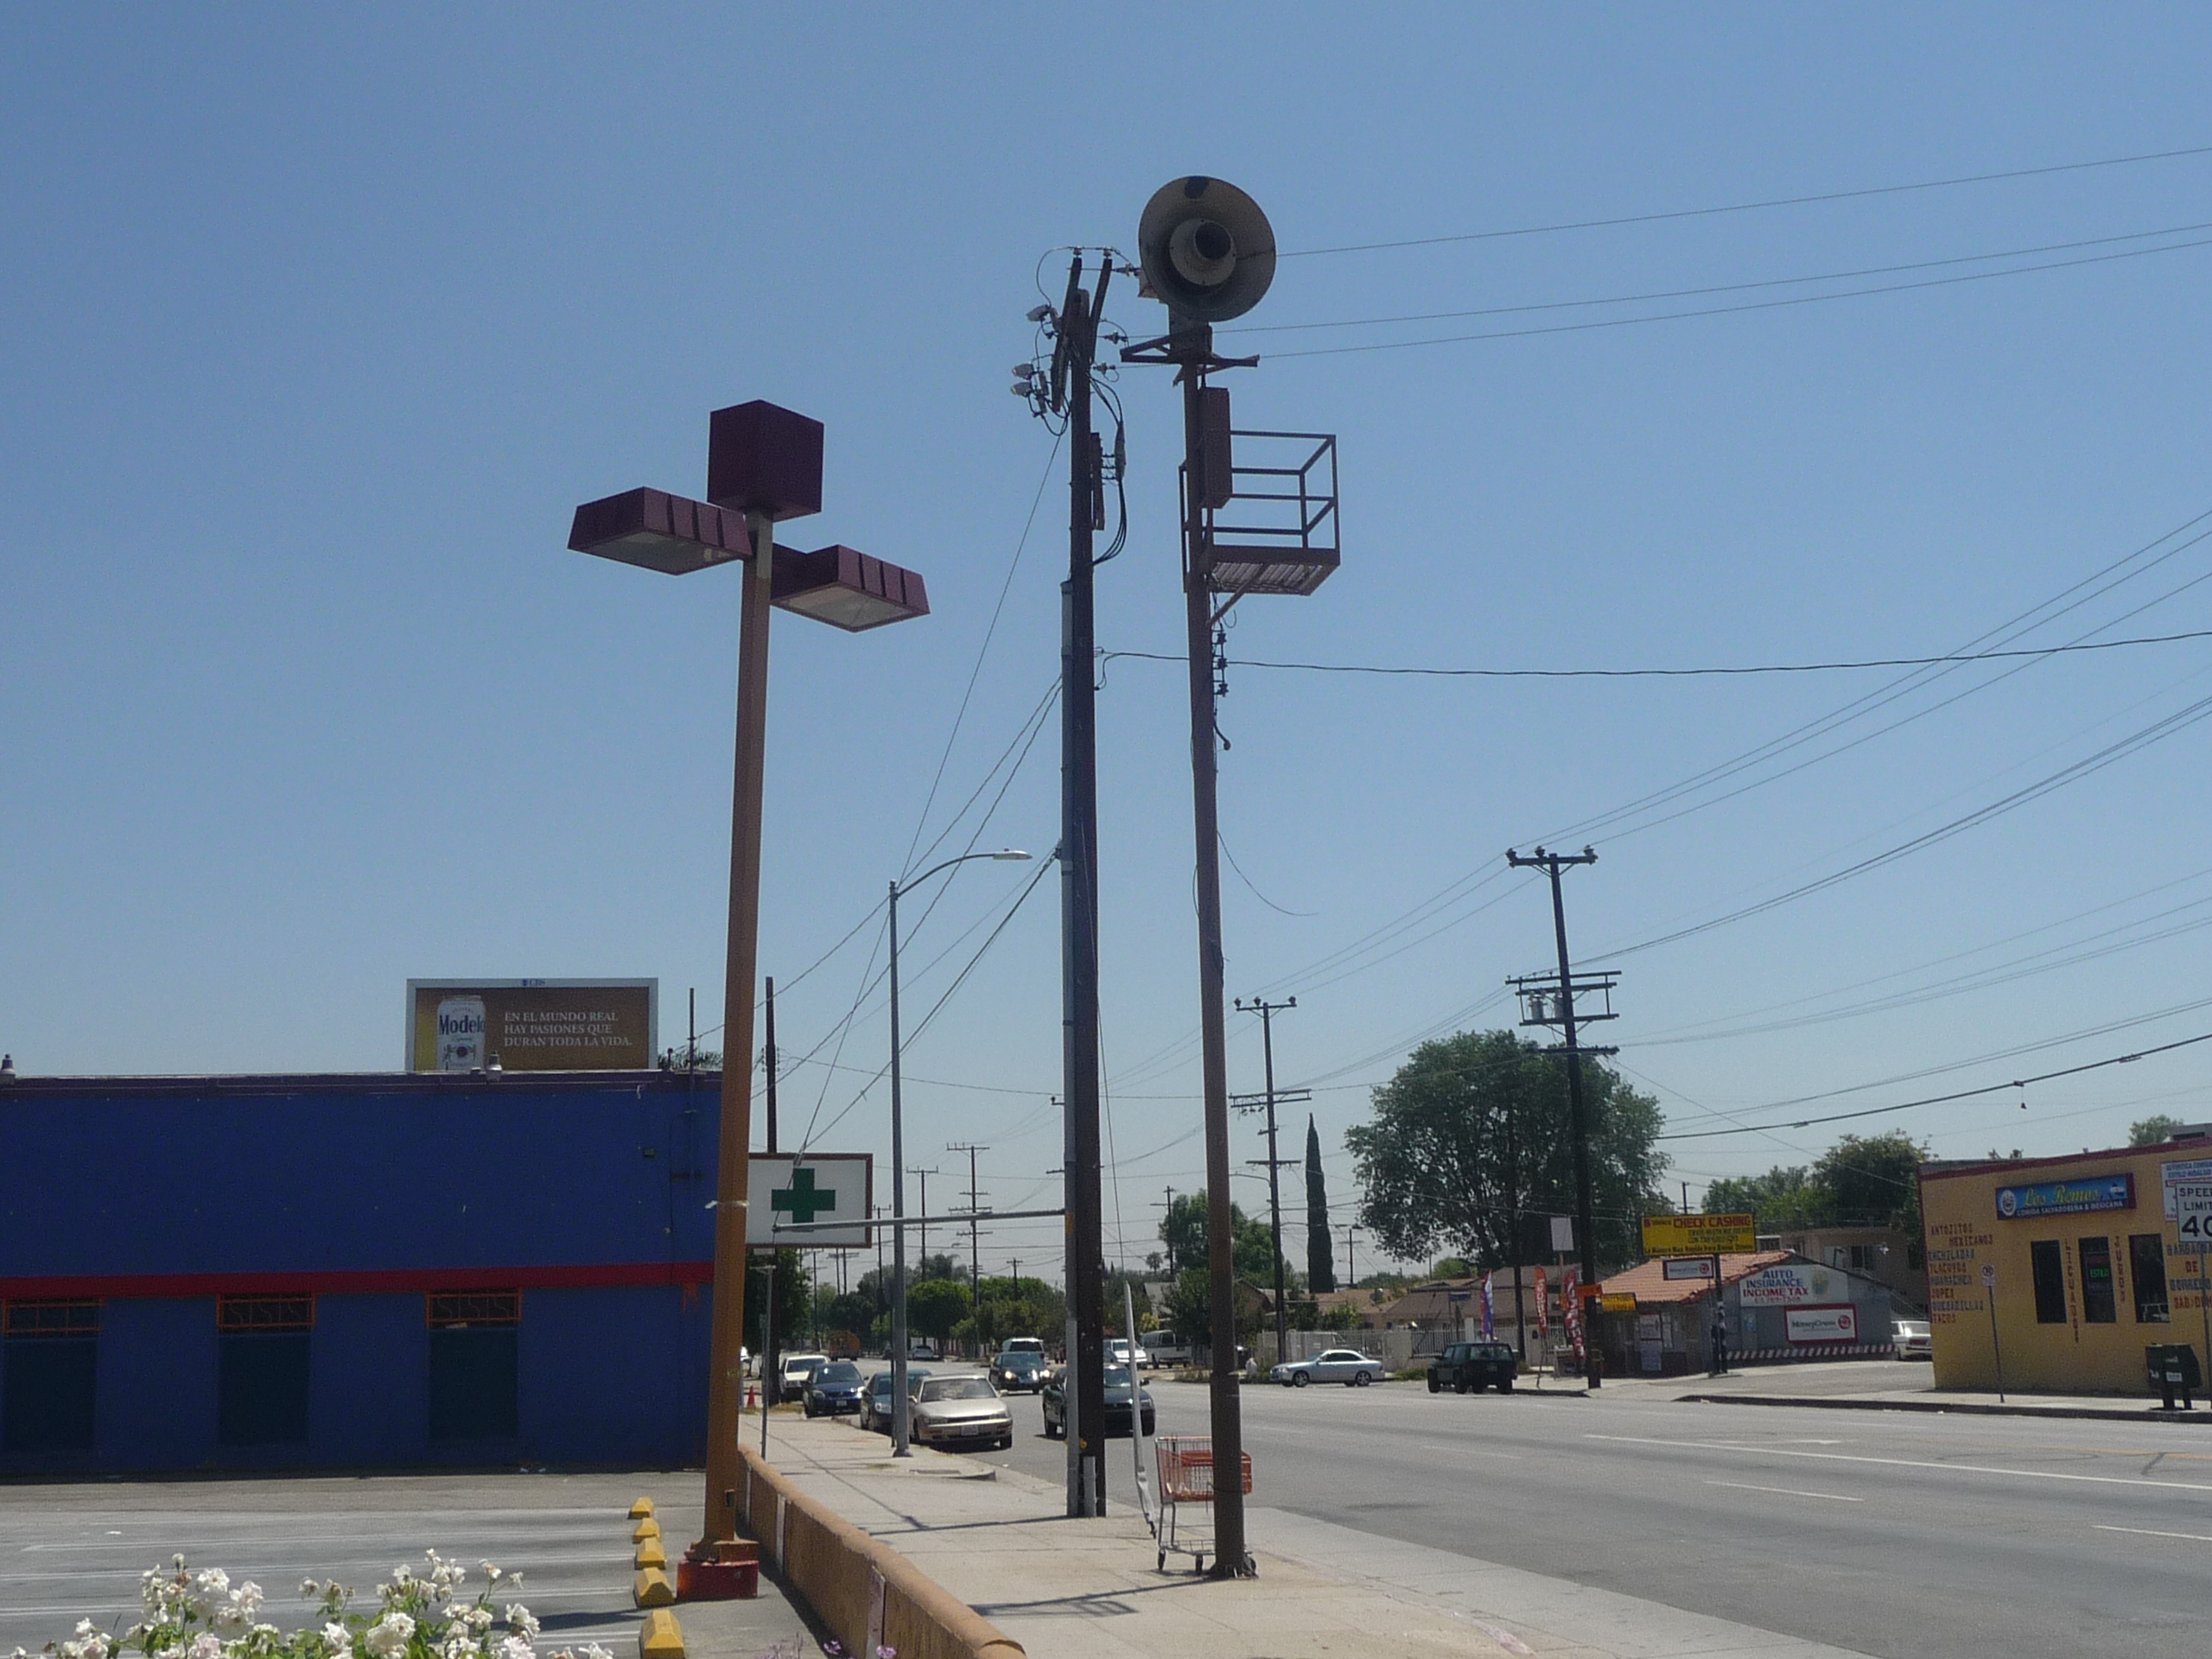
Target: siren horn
1208,251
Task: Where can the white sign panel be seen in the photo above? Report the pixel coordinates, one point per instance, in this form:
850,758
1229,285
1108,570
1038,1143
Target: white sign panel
790,1198
1793,1284
2193,1172
2192,1203
1822,1323
1689,1266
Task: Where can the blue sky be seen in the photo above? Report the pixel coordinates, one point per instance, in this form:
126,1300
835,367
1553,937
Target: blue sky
318,323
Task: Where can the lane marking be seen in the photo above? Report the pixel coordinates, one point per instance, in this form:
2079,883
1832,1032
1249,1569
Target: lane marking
2146,1532
1786,1491
1908,1463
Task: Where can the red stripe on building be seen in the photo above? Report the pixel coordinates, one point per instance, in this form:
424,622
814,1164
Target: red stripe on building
380,1281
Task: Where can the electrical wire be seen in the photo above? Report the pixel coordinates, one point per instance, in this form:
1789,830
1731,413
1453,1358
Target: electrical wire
1394,670
1718,288
1746,207
1745,307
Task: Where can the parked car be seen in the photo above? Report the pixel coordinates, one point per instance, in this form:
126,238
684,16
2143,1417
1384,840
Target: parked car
1473,1366
1119,1351
875,1403
923,1348
960,1411
833,1389
1345,1365
1018,1370
1120,1386
795,1371
1914,1340
1167,1348
1023,1346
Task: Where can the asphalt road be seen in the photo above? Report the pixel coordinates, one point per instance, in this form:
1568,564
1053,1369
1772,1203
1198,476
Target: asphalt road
1890,1534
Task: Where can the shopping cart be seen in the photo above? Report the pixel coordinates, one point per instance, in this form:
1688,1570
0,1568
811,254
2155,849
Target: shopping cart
1186,1476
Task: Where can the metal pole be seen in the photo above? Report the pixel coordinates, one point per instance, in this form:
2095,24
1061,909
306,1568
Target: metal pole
1275,1183
1086,1228
726,1339
1194,342
899,1448
1513,1224
769,1367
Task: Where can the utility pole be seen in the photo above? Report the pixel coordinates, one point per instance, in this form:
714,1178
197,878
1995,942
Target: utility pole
771,1372
1351,1271
1267,1011
922,1253
1513,1222
1065,389
975,1213
1552,864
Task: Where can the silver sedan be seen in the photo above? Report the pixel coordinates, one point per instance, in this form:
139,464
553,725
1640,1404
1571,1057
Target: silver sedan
1345,1365
961,1411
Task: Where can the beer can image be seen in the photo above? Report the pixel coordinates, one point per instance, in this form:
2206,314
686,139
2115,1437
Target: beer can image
461,1033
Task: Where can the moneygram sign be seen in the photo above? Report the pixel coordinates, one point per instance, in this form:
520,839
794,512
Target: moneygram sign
532,1025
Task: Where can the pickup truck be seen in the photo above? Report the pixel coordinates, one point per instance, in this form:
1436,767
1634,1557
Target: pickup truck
1469,1366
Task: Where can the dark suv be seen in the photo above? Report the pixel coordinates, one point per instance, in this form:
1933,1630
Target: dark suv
1470,1365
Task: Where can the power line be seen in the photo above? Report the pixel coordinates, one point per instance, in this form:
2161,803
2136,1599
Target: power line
1395,671
1746,306
1937,1100
1755,207
1721,288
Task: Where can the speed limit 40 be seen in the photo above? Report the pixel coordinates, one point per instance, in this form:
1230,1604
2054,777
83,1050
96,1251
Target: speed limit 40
2193,1213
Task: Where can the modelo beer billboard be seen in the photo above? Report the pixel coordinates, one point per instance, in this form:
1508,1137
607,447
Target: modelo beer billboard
532,1025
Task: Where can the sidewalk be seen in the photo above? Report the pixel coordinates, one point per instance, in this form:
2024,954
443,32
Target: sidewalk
1862,1385
1000,1542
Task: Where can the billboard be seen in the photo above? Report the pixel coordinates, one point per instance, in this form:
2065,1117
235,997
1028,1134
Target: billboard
2040,1198
532,1025
1699,1235
1793,1284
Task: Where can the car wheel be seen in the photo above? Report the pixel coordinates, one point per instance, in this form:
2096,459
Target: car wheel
1300,1379
1505,1385
1435,1383
1362,1380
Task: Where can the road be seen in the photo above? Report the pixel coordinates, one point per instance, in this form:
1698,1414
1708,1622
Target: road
1887,1533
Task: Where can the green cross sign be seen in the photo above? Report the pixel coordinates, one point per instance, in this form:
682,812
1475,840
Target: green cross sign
801,1199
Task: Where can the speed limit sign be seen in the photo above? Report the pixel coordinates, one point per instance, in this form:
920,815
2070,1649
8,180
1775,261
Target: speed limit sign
2193,1213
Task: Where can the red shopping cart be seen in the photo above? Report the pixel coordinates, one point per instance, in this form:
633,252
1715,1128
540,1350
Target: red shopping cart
1186,1475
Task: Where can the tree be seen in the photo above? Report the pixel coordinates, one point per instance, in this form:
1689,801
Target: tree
1452,1266
1873,1180
794,1306
1320,1252
1784,1197
1469,1119
935,1305
1182,1229
2153,1129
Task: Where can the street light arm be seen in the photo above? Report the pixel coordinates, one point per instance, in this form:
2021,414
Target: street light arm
1010,854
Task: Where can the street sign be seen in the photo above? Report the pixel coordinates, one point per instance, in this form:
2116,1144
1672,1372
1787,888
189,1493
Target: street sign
1689,1266
2193,1211
792,1201
1989,1275
1700,1234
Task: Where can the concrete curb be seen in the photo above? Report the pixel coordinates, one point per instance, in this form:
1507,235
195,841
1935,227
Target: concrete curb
869,1595
1961,1408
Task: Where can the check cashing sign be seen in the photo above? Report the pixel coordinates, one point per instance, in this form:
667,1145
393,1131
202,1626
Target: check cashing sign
1700,1234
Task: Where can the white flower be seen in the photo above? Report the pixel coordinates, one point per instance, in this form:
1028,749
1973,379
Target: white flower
517,1647
206,1645
593,1650
388,1636
309,1589
520,1618
490,1571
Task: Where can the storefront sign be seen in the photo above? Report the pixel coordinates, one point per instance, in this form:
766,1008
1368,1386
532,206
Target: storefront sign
788,1199
1617,1301
531,1025
1700,1234
2042,1198
1838,1324
1793,1284
1689,1266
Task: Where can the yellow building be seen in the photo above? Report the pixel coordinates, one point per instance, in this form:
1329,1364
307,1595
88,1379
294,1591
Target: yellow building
2082,1258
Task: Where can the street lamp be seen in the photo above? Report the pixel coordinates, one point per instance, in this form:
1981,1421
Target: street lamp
899,1446
764,465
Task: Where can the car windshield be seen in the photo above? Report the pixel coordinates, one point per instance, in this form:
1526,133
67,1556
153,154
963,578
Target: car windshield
1117,1377
958,1388
842,1372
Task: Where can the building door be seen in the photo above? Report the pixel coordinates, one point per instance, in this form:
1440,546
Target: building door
52,1365
475,1365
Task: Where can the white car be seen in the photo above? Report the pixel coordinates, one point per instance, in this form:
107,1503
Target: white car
1914,1340
1119,1351
1345,1365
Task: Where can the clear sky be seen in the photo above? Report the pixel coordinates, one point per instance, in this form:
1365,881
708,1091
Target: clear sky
318,323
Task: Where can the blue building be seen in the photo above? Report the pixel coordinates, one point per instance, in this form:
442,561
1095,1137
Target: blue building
354,1271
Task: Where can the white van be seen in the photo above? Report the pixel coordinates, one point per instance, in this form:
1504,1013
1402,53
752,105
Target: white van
1166,1347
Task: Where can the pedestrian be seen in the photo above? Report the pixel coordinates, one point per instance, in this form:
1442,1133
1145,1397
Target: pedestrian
1720,1343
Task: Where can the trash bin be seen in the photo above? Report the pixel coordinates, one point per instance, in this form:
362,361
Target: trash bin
2173,1370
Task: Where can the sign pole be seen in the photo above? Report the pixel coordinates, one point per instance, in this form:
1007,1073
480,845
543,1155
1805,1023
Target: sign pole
1989,1295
